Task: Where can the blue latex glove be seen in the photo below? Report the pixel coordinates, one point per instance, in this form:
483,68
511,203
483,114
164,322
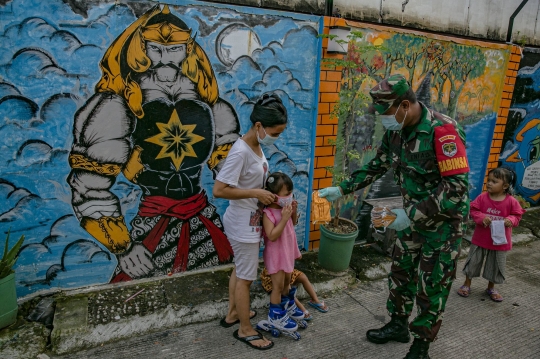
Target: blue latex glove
401,222
330,193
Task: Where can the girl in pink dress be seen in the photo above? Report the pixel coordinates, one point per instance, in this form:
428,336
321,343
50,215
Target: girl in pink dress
495,212
280,252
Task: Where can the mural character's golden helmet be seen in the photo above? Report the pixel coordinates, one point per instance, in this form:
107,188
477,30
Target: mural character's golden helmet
127,56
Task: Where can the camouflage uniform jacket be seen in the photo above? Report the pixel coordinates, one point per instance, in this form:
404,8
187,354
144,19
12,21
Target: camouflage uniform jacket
436,205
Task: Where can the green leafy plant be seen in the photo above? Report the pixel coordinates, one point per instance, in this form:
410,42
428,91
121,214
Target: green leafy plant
10,257
521,40
522,201
356,67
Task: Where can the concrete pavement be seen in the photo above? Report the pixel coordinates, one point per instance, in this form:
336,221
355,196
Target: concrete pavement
180,314
473,327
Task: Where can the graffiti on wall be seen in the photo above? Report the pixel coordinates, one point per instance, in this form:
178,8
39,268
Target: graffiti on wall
115,119
521,141
460,79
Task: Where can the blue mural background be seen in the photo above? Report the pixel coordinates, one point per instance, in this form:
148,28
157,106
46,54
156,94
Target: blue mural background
48,69
521,142
479,136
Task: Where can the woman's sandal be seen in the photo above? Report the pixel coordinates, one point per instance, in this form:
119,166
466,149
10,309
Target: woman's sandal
494,295
225,324
247,340
464,291
321,307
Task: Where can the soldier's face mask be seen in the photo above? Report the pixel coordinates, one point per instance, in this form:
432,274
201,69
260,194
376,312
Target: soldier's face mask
390,122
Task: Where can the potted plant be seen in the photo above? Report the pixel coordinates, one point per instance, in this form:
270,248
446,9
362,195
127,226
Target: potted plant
8,304
338,236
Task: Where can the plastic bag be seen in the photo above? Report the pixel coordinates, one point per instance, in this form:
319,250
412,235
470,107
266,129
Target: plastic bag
320,209
382,217
498,233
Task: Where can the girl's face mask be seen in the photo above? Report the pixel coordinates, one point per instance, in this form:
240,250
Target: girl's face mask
284,201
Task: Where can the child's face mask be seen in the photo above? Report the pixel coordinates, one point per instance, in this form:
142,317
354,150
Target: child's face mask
284,201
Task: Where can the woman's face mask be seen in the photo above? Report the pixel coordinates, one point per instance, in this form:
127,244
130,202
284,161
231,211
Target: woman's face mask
284,201
390,122
267,140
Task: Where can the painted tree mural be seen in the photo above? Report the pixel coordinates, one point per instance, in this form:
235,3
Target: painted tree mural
458,78
465,63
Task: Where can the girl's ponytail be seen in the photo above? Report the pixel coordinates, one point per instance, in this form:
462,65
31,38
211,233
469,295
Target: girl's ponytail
507,175
512,182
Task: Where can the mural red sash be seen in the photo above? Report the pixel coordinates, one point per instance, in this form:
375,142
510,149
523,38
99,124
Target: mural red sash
152,206
184,209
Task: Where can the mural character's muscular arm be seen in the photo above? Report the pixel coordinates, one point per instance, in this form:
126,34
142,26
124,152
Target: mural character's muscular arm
101,147
227,132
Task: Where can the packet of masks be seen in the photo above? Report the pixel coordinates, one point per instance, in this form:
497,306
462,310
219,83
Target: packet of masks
498,233
320,209
382,217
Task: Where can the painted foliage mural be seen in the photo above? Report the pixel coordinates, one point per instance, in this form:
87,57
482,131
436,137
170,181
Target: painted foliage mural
521,142
115,119
459,79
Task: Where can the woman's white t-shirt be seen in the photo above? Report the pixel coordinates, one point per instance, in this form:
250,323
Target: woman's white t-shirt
243,169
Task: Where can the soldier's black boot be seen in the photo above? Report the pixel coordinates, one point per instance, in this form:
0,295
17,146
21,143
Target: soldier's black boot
418,350
397,330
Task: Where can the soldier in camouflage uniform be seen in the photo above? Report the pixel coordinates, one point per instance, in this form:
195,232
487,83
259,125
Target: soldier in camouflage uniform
426,151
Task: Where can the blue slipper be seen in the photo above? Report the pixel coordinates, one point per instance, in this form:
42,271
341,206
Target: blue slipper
321,307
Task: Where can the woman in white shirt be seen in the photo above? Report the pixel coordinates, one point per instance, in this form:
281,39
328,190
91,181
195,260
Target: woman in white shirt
241,181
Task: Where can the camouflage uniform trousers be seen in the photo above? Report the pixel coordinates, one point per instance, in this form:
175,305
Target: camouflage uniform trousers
425,270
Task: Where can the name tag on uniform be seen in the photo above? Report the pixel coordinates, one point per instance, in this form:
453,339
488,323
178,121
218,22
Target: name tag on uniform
420,156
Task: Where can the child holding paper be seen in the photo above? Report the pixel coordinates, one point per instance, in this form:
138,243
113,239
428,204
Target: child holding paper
495,212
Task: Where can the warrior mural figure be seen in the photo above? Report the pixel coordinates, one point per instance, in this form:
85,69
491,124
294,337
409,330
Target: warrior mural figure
156,117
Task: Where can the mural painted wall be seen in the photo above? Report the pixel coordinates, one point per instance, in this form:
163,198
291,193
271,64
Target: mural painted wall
460,78
115,118
521,141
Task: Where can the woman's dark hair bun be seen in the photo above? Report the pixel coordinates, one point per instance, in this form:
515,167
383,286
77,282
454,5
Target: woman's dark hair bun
267,99
269,111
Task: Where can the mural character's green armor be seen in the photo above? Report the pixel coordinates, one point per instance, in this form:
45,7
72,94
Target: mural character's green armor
437,207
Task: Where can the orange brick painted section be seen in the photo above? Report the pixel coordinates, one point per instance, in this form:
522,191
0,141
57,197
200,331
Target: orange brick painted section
502,115
329,86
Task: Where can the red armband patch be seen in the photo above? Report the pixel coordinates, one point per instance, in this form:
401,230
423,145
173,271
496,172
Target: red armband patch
450,151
